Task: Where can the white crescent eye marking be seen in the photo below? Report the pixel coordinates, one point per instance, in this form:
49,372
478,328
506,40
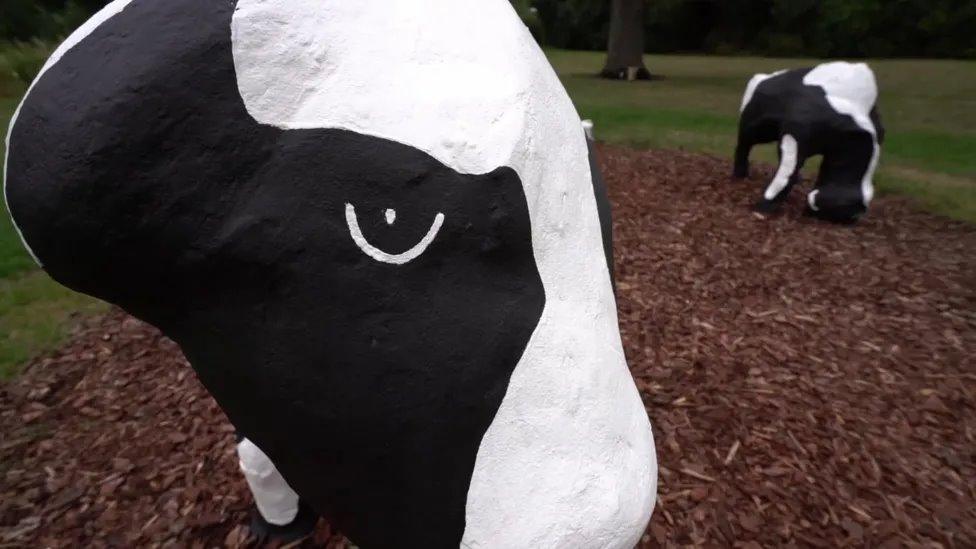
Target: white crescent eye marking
380,255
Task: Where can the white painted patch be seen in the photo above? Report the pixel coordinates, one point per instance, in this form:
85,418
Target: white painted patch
569,459
390,215
275,499
787,165
80,33
812,200
588,129
753,84
867,183
851,89
380,255
850,82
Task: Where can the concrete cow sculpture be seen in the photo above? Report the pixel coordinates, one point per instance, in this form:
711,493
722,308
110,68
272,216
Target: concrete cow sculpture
830,110
372,229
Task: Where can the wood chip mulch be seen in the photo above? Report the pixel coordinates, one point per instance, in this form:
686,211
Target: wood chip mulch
809,385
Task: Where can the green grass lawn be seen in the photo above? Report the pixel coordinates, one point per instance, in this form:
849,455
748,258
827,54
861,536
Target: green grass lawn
35,314
929,109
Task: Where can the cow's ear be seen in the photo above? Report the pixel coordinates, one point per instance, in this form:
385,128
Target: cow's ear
129,143
142,85
134,69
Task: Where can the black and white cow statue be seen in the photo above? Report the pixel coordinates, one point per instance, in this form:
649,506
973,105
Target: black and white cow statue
828,110
373,230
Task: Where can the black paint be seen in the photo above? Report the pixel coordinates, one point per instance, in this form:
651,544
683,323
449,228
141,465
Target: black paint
783,104
138,177
267,534
603,208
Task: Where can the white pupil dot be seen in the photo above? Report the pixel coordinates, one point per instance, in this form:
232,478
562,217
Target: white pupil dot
390,216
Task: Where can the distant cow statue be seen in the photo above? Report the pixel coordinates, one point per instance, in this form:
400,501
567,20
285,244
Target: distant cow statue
829,110
374,230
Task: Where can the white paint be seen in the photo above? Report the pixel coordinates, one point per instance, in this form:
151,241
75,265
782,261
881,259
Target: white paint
851,89
80,33
867,182
812,200
588,129
390,216
275,499
380,255
787,165
569,459
753,84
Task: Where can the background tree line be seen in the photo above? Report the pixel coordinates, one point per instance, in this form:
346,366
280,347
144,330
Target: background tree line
43,20
819,28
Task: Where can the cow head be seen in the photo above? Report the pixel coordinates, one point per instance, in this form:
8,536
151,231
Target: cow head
354,261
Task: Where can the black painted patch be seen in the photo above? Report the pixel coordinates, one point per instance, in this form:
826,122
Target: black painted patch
783,104
603,208
138,177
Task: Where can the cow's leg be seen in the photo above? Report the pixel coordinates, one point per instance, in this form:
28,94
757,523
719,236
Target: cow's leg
603,208
791,158
280,515
742,149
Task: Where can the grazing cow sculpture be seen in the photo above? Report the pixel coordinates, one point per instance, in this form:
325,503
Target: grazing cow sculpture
830,110
373,229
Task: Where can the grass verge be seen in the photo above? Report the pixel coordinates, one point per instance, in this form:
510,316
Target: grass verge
35,315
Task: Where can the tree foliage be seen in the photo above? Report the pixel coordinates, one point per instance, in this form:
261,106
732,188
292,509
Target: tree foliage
822,28
33,20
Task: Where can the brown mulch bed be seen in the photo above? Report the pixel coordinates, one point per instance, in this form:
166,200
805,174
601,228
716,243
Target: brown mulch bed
809,385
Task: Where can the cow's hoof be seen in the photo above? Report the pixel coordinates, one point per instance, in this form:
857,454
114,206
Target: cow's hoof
766,207
837,219
300,528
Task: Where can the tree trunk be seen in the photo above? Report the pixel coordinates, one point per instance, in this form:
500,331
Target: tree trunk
625,50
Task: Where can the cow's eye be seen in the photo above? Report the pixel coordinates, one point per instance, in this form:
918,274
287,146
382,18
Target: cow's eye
380,255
